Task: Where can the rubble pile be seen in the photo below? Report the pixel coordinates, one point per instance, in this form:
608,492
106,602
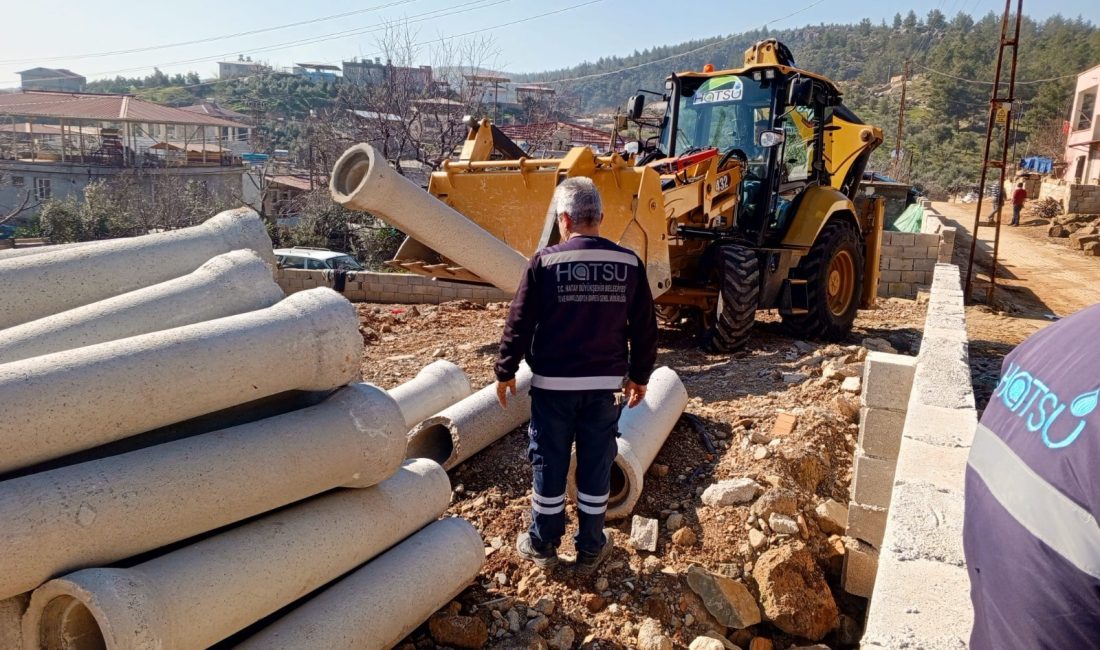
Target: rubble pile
186,452
1082,230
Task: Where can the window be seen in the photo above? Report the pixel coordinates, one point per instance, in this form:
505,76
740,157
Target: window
1086,106
41,189
290,262
315,265
17,181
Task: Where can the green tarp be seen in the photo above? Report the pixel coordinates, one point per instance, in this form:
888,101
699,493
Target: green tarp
908,221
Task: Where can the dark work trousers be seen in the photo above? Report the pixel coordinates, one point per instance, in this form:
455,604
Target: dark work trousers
558,419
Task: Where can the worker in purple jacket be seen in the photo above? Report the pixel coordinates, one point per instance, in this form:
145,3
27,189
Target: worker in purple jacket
1030,532
583,318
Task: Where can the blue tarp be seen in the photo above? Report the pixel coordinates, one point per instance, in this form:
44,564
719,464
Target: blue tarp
1037,164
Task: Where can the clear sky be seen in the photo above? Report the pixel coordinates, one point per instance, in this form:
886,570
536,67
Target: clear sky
87,36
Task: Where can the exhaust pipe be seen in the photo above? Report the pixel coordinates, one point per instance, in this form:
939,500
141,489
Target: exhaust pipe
106,510
77,399
460,431
439,385
379,604
642,432
363,180
231,283
47,283
200,594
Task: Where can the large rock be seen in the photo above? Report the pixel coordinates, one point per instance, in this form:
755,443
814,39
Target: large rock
732,492
832,517
776,500
729,601
643,533
1081,238
458,631
793,592
808,466
652,637
706,643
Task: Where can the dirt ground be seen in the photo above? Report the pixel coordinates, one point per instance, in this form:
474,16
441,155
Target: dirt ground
736,399
1039,280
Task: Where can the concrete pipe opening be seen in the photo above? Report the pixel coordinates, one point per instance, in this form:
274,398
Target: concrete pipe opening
433,440
68,624
620,484
350,171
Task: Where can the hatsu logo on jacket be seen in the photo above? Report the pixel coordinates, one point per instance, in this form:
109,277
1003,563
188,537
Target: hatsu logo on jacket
1030,399
591,271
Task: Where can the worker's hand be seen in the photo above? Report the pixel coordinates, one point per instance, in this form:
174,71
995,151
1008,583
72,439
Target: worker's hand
503,387
634,393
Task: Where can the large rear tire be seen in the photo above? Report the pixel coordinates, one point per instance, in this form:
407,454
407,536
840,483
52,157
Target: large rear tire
738,298
833,271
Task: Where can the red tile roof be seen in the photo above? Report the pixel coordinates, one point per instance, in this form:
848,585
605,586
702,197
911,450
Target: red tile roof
113,108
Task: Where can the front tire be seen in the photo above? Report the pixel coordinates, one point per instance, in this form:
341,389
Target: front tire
738,298
833,271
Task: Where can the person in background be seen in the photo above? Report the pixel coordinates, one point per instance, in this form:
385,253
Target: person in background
1030,532
997,194
1019,195
583,318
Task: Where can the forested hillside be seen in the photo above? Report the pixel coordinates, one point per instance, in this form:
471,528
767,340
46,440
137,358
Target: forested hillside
945,117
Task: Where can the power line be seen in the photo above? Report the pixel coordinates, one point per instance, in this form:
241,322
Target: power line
210,39
990,83
675,56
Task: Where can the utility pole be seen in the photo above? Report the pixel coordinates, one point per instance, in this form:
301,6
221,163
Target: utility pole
901,121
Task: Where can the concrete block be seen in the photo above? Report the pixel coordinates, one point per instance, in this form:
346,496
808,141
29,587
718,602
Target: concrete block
880,432
902,289
927,240
914,252
872,480
866,523
916,277
888,276
898,264
860,567
932,251
883,290
921,462
919,604
887,380
940,426
926,523
903,239
944,377
926,265
890,251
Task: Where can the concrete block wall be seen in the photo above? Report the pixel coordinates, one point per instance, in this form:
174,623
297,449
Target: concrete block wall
1075,199
887,382
405,288
921,595
908,259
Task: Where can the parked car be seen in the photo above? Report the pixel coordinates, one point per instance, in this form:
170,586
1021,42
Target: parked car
7,231
317,259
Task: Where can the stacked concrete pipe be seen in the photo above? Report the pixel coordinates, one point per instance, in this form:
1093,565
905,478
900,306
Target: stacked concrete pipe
642,432
379,604
200,594
109,509
231,283
439,385
48,283
77,399
460,431
363,180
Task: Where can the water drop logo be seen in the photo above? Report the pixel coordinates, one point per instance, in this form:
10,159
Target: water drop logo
1081,407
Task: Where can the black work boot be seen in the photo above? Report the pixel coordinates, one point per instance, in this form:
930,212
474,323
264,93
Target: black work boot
589,562
543,559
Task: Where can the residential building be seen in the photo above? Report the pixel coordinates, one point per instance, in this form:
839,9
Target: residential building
317,72
52,79
374,73
53,144
534,94
238,138
1083,141
553,138
240,68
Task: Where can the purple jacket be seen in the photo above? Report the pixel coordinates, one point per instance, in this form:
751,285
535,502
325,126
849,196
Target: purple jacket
1030,533
582,317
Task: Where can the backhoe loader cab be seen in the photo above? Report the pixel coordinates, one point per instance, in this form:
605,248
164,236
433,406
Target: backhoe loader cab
747,199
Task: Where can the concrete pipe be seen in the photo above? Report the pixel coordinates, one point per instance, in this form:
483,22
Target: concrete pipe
77,399
200,594
228,284
439,385
113,508
460,431
379,604
48,283
363,180
12,253
642,432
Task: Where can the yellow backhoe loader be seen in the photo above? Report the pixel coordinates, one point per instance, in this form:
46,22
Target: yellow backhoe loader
747,199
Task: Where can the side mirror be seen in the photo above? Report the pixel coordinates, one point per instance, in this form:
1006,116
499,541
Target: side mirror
772,138
801,92
634,106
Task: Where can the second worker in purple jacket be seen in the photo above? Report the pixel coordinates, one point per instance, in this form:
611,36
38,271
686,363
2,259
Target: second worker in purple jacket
583,319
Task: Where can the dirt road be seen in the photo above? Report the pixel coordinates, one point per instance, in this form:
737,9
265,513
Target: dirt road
1038,281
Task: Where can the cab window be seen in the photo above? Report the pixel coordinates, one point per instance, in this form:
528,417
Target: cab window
315,265
292,262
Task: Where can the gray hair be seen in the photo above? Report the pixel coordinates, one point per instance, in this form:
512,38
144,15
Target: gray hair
579,198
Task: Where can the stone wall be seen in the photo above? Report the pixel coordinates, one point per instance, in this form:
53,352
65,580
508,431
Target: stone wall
367,286
921,595
1075,199
908,259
